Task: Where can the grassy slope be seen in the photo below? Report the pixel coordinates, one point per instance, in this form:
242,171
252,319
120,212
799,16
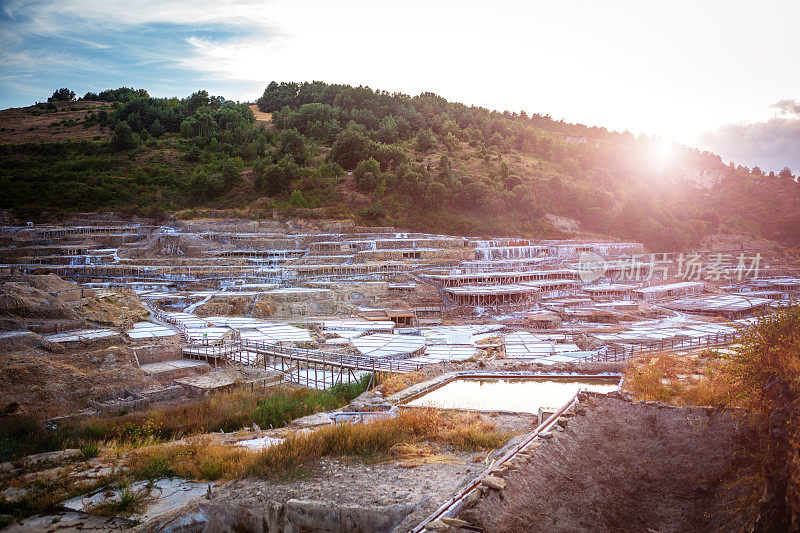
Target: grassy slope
48,170
76,172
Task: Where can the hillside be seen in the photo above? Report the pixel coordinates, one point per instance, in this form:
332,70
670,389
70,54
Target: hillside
423,163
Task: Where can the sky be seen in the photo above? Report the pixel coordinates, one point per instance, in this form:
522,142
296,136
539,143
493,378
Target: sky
719,75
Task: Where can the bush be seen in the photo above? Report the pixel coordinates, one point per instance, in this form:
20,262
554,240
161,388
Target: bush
765,375
156,129
373,213
292,143
90,450
296,199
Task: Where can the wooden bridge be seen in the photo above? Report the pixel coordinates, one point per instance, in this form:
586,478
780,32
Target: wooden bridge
311,368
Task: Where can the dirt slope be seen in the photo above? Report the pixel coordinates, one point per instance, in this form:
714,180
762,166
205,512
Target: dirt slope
620,467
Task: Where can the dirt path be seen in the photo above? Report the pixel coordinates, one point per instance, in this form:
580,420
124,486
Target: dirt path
266,118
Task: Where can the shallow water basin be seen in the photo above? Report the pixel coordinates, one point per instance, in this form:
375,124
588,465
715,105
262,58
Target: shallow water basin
507,394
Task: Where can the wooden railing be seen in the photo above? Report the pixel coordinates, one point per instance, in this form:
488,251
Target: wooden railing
236,351
624,353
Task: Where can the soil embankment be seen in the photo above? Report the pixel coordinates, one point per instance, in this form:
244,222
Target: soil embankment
621,466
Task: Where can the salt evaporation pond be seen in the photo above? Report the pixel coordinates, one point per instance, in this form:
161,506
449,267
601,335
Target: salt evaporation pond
517,395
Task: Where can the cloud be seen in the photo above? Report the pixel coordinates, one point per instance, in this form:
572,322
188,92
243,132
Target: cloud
171,48
787,106
770,145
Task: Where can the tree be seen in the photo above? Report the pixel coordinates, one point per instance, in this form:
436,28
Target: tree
278,95
388,130
350,147
196,101
230,173
206,185
194,154
524,202
426,140
156,129
294,144
368,174
445,169
450,142
134,120
124,138
276,178
62,95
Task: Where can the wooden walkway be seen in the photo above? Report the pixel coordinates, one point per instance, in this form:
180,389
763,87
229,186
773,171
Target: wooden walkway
310,368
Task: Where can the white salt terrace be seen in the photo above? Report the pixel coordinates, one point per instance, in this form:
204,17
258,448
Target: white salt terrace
465,335
209,335
510,395
168,495
445,352
259,443
502,272
729,305
79,335
490,295
380,345
170,366
149,330
277,334
359,326
212,330
542,349
670,290
186,320
503,277
644,332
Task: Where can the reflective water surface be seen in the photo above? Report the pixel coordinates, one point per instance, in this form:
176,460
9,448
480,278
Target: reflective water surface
519,395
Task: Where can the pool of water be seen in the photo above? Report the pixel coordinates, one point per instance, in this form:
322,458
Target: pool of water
518,395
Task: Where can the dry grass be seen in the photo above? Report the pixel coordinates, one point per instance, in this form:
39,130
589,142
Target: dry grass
197,460
202,460
397,382
125,502
410,455
680,380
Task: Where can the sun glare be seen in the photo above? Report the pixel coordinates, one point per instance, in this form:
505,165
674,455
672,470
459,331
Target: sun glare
662,152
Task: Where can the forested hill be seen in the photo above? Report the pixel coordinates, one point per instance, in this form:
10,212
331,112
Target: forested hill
314,149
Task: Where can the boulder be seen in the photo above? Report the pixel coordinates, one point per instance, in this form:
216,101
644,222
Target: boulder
494,482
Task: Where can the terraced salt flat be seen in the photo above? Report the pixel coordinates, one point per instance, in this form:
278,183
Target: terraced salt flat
386,345
149,330
78,335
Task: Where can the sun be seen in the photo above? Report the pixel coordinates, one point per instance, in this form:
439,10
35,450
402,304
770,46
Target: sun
662,151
